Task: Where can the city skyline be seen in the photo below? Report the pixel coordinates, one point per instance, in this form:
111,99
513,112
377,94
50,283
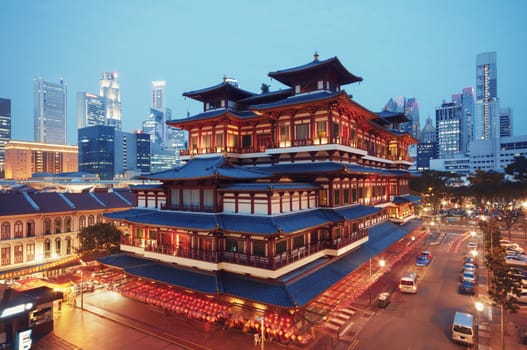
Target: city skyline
421,50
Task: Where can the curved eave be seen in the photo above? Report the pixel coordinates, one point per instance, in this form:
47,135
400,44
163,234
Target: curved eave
289,76
221,89
188,123
296,104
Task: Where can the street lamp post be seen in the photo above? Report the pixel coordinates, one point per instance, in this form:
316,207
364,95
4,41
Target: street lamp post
381,264
82,289
262,336
479,307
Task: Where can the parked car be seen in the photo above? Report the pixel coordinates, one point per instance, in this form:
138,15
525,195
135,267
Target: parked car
470,260
472,246
468,276
422,260
516,261
427,253
514,250
469,267
467,287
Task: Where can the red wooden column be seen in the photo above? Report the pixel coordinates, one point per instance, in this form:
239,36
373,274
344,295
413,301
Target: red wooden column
269,203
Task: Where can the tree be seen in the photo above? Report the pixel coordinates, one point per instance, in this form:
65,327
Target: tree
432,185
99,236
487,186
518,169
503,285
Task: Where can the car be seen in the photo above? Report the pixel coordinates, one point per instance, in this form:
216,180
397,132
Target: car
427,253
514,250
469,267
422,260
470,260
472,246
467,287
516,261
507,244
468,276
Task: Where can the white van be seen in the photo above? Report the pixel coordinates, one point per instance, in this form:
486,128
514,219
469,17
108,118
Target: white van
408,283
463,328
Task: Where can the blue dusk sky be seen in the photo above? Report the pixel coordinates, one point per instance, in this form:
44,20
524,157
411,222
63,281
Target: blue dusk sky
414,48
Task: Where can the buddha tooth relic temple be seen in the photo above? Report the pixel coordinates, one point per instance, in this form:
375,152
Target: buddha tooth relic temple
281,196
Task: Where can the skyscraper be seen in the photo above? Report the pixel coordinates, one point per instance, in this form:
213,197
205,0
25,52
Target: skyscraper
5,130
410,107
487,101
468,102
450,126
91,110
109,153
50,111
109,89
159,104
506,122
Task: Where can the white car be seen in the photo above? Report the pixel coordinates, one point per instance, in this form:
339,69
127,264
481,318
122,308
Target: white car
469,267
516,260
514,249
469,276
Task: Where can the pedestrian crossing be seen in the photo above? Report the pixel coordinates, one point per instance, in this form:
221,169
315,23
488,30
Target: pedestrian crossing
339,318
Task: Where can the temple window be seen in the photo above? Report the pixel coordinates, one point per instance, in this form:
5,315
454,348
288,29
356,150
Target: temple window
320,85
346,196
336,130
321,128
208,199
336,194
219,140
302,131
232,140
206,142
259,248
281,247
231,245
298,242
191,198
284,135
174,197
247,141
323,198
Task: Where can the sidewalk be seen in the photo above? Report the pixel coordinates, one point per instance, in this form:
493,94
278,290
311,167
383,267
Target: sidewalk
111,321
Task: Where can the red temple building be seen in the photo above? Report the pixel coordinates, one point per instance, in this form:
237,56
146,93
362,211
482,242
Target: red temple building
282,194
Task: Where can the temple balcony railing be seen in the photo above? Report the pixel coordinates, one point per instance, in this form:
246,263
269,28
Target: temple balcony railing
240,258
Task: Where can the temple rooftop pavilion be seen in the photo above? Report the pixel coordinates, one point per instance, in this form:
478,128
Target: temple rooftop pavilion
282,194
